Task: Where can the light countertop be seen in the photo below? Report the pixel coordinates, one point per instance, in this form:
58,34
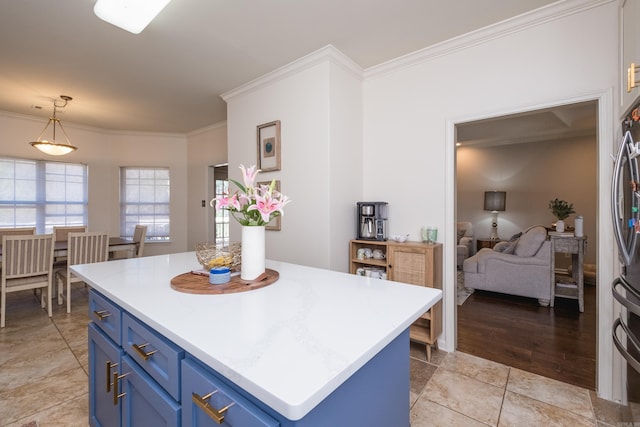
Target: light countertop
289,344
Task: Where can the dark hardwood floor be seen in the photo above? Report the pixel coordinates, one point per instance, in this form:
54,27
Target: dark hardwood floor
558,343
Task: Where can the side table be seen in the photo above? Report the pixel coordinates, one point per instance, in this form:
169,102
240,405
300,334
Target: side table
568,287
486,243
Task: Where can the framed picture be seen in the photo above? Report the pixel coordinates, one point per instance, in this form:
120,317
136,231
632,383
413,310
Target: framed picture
276,224
269,146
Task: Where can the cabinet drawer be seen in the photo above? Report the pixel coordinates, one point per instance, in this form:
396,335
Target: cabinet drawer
106,315
198,383
565,246
158,356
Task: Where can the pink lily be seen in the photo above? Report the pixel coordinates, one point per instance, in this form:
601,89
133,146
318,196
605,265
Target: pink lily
249,175
226,202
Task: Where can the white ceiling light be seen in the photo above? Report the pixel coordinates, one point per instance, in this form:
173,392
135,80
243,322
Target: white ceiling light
130,15
52,147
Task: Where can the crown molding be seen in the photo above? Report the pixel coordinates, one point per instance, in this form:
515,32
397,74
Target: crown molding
504,28
325,54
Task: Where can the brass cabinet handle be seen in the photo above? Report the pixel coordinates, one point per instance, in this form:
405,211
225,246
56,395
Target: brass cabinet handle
102,314
140,350
116,394
109,366
216,415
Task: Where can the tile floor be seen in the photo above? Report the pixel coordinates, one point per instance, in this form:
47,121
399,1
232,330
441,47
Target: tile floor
44,364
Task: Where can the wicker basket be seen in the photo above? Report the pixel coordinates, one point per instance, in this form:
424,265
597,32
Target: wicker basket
206,252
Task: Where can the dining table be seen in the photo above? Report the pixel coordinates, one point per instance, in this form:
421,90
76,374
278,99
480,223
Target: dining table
116,244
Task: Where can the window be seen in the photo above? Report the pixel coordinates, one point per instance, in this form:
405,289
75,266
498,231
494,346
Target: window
42,194
221,219
144,199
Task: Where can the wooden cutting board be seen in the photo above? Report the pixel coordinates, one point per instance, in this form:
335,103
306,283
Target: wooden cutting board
193,283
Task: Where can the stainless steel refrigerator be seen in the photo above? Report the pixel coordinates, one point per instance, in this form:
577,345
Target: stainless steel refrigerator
626,220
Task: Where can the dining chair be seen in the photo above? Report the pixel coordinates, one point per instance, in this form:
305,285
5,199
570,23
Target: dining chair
61,233
83,248
139,235
17,231
28,264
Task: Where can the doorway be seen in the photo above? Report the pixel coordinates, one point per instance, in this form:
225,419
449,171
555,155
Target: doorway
534,156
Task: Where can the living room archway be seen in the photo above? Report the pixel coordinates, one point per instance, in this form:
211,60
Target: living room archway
535,156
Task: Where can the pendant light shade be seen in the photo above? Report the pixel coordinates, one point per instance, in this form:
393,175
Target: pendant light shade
52,147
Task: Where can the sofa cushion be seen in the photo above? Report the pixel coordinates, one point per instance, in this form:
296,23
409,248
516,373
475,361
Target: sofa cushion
530,242
511,247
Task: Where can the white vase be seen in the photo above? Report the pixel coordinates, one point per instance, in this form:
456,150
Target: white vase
560,226
253,252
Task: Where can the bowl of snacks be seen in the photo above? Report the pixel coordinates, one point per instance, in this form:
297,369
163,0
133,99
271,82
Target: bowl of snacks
211,255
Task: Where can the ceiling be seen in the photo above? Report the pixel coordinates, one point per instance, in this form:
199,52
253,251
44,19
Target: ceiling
565,122
169,78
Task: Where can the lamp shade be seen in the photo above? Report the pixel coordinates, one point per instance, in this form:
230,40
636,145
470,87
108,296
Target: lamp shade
495,200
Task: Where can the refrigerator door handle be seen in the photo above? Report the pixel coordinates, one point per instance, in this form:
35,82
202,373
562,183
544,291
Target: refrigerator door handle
632,307
635,364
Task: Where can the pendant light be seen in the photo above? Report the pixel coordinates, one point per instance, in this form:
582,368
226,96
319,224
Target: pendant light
52,147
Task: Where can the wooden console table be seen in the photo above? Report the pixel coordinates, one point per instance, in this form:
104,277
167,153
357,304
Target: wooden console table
573,287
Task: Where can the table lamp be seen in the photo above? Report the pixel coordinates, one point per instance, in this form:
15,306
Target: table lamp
494,201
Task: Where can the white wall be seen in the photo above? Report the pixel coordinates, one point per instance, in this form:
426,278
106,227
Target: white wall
318,102
206,148
104,152
411,108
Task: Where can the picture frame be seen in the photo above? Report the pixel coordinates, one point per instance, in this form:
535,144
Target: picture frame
269,156
276,224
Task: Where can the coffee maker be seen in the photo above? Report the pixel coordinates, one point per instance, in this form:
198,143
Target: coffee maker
372,220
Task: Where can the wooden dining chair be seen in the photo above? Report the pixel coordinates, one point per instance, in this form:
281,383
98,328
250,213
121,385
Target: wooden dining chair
61,233
139,235
28,264
15,231
84,248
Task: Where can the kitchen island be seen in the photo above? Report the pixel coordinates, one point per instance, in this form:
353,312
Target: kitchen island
315,348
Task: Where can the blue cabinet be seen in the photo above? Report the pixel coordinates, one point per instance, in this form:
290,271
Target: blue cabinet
134,373
104,358
144,402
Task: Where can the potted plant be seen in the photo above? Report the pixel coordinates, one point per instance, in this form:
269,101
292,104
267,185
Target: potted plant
561,209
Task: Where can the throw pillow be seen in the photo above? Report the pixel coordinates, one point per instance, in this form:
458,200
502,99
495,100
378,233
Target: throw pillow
530,242
511,248
515,237
461,233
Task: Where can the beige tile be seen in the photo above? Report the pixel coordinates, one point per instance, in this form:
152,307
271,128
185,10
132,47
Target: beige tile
428,414
481,369
468,396
44,394
562,395
519,410
72,413
22,342
607,412
39,364
420,374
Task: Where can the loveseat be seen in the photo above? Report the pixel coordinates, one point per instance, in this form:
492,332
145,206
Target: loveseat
520,267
